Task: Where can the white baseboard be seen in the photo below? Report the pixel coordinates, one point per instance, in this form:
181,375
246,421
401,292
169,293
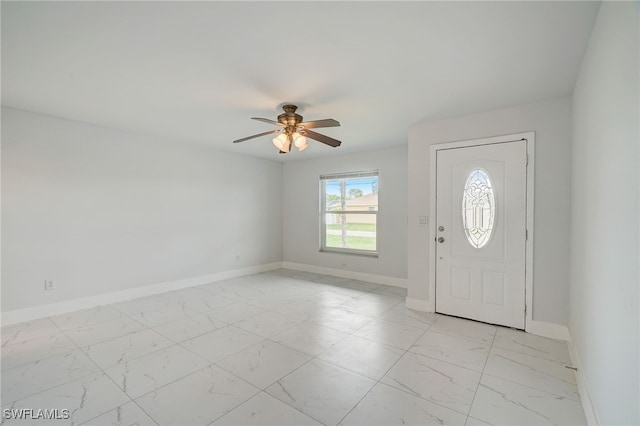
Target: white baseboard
585,394
342,273
418,304
42,311
548,329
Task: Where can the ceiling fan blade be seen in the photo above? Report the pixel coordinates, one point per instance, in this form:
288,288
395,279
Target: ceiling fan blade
266,120
256,136
327,122
322,138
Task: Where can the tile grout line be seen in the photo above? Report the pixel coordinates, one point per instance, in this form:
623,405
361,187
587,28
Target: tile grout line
100,369
104,373
436,359
146,327
44,358
381,377
486,361
314,357
374,317
60,384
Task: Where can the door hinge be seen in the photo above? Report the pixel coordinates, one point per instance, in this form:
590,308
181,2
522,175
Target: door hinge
526,235
527,160
525,310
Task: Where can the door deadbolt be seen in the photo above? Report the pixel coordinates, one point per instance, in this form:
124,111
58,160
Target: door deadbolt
441,239
440,228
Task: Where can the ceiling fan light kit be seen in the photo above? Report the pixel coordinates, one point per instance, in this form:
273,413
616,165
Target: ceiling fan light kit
301,142
294,132
282,142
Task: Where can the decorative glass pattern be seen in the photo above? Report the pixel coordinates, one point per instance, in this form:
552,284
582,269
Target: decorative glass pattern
478,208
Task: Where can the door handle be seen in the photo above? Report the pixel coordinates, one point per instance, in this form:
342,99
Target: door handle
441,239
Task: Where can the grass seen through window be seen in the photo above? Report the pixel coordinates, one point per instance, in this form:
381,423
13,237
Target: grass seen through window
370,227
358,243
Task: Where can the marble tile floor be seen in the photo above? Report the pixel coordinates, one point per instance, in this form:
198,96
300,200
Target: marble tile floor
283,348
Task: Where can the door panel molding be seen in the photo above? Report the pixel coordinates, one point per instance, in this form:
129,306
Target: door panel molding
530,172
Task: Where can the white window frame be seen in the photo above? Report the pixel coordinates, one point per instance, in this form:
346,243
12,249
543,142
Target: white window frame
324,212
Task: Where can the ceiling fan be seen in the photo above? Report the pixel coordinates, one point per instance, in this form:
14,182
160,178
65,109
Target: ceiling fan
294,131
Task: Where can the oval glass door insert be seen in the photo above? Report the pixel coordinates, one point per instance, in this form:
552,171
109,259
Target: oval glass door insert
478,208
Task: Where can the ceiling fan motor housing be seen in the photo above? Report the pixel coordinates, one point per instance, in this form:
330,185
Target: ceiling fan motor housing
290,118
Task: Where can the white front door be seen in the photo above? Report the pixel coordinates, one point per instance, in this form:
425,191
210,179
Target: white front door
481,208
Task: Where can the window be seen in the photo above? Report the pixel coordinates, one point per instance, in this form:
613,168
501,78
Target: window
349,212
478,208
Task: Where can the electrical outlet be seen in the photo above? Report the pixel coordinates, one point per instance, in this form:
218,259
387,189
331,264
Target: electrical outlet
49,285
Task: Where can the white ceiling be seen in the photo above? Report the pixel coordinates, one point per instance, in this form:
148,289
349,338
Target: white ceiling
198,71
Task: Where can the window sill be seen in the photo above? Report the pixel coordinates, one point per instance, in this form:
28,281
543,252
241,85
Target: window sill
350,252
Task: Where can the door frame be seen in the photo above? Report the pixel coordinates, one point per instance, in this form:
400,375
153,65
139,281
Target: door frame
530,138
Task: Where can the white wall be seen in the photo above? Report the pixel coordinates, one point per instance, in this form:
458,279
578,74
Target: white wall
100,210
550,121
604,321
301,206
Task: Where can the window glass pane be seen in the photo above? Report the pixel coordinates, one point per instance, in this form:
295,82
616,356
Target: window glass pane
351,194
349,212
351,231
333,200
478,208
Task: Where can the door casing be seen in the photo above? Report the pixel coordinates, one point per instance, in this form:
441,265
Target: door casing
530,138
